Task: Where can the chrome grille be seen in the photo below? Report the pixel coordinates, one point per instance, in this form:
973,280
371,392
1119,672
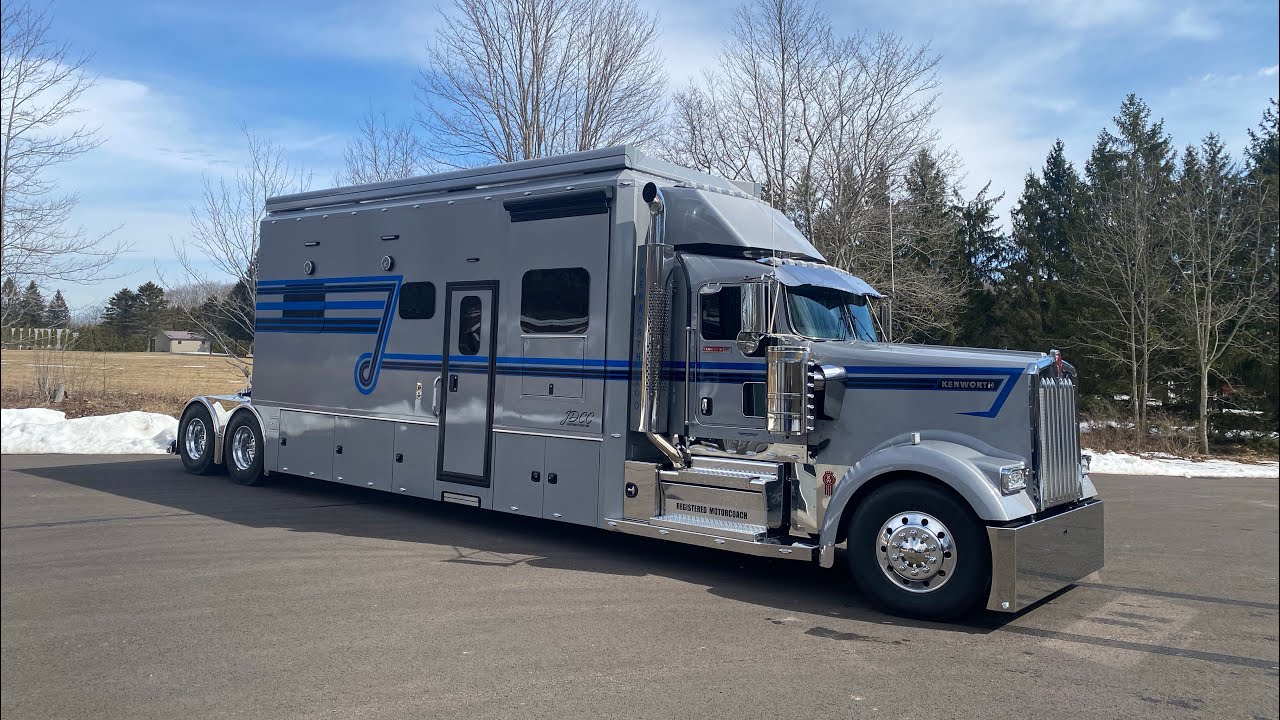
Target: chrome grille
1057,441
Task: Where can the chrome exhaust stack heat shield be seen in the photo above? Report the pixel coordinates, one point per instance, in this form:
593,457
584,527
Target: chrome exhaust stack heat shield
790,399
654,263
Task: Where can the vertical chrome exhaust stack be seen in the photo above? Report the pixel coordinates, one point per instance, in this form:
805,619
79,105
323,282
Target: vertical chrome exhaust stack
654,263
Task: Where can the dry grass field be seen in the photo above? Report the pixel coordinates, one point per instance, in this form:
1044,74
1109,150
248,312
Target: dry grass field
98,383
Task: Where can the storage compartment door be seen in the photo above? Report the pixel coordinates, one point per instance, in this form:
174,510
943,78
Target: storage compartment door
518,477
414,460
571,476
306,444
362,452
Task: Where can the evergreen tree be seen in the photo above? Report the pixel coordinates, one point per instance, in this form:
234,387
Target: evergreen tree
9,302
150,309
120,314
58,315
925,227
241,312
31,307
1048,221
982,254
1261,371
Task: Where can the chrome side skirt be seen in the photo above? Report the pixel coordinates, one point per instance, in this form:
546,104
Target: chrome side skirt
793,551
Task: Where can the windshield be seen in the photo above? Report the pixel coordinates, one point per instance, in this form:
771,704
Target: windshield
823,313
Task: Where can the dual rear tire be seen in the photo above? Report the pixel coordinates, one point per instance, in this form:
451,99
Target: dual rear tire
242,445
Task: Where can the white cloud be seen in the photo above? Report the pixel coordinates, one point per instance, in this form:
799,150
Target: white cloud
1269,71
1192,24
157,149
1085,14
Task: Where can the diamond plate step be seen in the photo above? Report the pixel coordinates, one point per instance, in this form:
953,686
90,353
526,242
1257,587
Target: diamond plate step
711,526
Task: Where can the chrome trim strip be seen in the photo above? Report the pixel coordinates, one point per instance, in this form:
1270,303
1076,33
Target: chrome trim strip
506,431
795,551
358,417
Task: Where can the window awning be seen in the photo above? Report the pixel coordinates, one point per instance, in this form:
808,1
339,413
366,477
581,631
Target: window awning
793,273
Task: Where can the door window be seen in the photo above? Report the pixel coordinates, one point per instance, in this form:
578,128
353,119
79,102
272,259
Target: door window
469,314
754,397
721,313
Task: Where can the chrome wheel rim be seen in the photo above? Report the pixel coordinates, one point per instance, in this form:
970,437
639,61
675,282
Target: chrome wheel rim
916,551
244,447
196,438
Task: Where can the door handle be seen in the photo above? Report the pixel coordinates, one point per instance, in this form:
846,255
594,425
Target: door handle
552,479
435,396
453,383
535,476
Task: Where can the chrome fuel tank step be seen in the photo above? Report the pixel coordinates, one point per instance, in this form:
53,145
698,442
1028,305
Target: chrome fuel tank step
767,548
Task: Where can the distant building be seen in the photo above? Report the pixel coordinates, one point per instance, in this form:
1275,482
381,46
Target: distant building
179,341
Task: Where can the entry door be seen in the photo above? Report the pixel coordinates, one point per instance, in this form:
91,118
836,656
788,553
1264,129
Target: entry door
466,412
729,391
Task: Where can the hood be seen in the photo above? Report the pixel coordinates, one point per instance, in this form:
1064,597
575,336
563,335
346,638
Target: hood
892,390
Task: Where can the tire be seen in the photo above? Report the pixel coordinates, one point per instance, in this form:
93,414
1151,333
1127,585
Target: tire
914,525
196,439
243,448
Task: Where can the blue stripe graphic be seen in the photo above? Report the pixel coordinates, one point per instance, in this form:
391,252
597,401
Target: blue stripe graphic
368,365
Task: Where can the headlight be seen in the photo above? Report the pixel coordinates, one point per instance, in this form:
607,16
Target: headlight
1085,462
1013,479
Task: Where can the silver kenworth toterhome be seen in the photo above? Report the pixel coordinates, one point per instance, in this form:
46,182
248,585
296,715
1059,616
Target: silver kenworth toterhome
607,339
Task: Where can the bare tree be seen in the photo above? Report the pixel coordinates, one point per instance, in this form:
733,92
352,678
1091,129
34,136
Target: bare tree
224,237
41,82
382,150
191,296
518,79
1124,255
1225,283
828,126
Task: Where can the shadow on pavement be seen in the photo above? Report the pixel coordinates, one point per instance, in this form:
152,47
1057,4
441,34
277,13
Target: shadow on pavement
490,539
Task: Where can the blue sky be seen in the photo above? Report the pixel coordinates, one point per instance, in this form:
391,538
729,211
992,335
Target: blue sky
176,82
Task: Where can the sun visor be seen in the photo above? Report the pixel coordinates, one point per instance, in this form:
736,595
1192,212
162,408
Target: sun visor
792,274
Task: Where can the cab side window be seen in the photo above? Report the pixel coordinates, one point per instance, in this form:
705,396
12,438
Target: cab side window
721,313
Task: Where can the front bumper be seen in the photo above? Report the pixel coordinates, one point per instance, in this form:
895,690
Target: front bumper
1032,561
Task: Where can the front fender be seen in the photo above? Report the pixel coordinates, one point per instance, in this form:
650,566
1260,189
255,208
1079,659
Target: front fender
970,472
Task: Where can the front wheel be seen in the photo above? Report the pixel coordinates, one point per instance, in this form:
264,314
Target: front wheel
917,550
244,450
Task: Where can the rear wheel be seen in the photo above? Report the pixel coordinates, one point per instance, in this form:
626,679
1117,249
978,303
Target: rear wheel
917,550
195,440
244,449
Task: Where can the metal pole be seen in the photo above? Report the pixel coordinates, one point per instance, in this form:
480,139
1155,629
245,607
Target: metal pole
893,277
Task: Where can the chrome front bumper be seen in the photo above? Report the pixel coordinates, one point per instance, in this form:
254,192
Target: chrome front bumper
1031,562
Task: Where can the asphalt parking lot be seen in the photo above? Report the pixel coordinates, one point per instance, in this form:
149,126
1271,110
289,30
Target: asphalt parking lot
133,590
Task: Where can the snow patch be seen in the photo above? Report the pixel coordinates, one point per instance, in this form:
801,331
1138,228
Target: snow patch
1108,463
37,430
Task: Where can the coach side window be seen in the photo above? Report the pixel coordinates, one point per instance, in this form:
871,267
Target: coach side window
555,300
721,313
417,301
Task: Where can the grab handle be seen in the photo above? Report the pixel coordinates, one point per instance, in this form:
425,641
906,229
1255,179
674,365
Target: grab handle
435,396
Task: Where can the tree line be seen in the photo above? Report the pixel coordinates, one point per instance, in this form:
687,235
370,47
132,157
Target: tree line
1153,266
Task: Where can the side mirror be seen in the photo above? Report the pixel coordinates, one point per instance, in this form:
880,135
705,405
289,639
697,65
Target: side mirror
755,317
